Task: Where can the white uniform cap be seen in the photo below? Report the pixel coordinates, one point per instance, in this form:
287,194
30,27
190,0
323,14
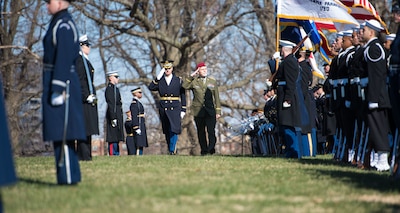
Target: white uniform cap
112,73
285,43
374,24
339,34
390,37
83,38
348,33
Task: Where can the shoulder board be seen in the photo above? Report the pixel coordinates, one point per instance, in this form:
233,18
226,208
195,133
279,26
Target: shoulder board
134,101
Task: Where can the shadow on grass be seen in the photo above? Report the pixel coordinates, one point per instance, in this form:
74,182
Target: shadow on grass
359,178
36,182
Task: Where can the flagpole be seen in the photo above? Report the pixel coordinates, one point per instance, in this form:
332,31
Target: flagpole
278,28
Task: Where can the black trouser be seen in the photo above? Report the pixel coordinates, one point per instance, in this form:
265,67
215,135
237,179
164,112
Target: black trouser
378,130
84,148
202,123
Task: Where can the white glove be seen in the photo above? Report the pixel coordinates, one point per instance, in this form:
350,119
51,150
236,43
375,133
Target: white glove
114,123
138,131
372,105
277,55
286,104
268,82
91,98
347,104
57,99
183,114
160,74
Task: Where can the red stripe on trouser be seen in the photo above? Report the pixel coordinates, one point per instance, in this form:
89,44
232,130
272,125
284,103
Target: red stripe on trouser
110,148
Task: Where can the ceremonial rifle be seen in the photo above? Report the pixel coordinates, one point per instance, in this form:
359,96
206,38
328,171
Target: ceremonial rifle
294,50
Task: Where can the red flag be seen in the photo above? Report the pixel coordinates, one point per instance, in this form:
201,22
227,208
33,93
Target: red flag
363,10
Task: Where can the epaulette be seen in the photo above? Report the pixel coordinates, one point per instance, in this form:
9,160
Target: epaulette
134,101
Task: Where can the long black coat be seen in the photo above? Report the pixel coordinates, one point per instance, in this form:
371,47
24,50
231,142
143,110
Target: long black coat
89,109
138,122
288,72
114,111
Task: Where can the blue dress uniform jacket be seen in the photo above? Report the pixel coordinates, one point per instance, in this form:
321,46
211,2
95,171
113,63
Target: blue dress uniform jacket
7,170
90,111
138,122
61,48
114,111
172,103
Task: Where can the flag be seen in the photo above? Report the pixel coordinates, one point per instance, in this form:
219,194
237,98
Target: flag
363,10
308,45
321,10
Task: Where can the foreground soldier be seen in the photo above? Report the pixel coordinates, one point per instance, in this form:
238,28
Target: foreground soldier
377,95
61,48
7,170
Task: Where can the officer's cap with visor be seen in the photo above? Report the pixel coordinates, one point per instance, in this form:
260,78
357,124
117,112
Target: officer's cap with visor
83,40
136,90
286,43
112,73
167,64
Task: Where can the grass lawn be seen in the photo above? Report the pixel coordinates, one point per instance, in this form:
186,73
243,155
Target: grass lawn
162,183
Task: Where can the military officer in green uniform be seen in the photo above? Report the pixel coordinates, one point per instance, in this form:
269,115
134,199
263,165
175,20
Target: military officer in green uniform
206,106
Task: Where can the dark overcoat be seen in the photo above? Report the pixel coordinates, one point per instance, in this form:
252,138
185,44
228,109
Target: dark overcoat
172,103
61,49
114,111
138,122
288,73
90,111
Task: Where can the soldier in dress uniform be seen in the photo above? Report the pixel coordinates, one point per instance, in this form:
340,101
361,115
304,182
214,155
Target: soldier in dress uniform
288,102
130,144
206,106
377,97
7,170
85,71
329,119
115,131
61,99
172,104
345,117
308,110
138,121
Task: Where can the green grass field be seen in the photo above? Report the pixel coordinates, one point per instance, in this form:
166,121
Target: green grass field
162,183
